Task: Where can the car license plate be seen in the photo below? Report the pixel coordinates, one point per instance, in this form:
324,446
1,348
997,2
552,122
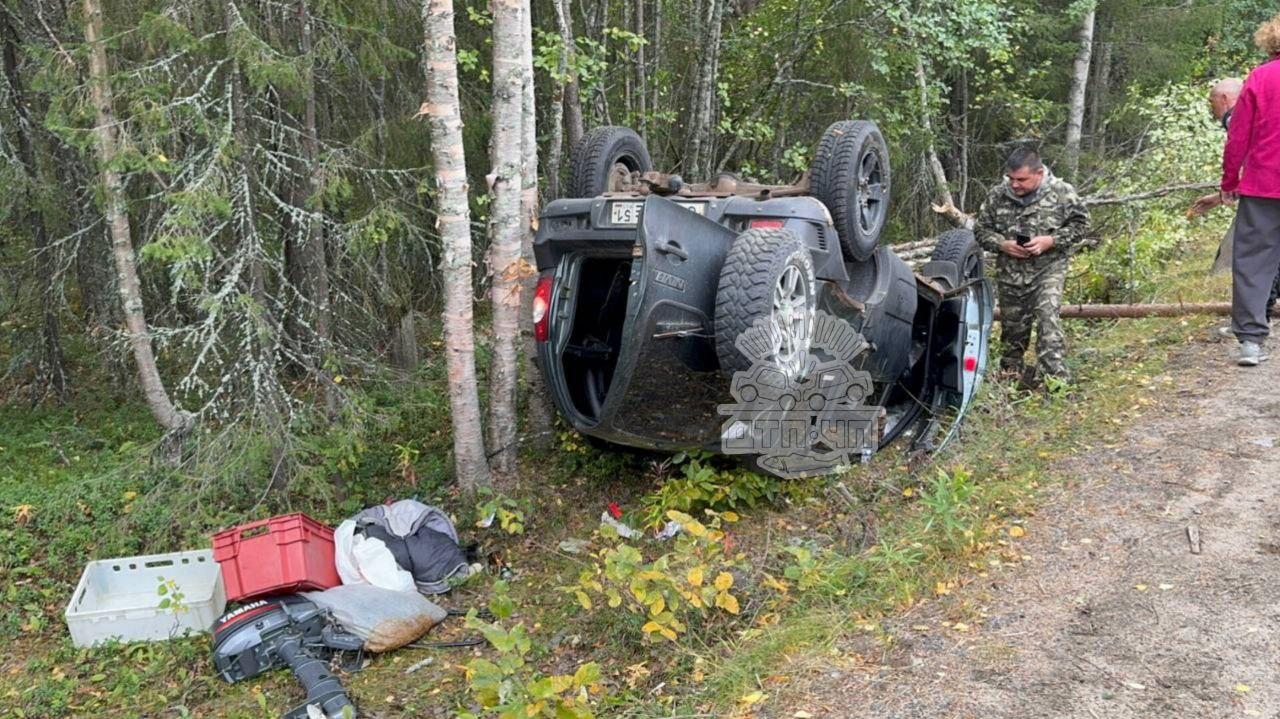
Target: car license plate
625,213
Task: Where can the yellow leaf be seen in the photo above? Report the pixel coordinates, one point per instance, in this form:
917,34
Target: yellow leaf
651,627
724,580
669,634
753,698
908,492
615,600
772,583
1243,688
960,627
1016,531
1140,587
695,576
727,602
534,709
658,605
729,516
941,589
337,379
583,599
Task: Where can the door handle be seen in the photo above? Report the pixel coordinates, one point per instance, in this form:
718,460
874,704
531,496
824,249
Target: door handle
671,248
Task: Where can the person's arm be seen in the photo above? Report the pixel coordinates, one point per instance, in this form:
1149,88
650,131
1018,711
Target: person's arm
1239,138
984,228
1075,222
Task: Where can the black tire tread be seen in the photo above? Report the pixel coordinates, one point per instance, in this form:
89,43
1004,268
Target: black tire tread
746,287
954,245
586,161
830,176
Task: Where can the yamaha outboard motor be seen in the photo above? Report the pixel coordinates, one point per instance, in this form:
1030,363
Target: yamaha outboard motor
285,632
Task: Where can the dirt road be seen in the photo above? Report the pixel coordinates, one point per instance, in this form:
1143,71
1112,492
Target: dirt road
1110,615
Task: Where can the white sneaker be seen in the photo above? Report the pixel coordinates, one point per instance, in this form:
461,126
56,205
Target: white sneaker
1251,353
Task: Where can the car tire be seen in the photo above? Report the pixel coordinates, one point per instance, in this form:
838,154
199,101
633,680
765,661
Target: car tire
767,273
598,153
850,175
962,248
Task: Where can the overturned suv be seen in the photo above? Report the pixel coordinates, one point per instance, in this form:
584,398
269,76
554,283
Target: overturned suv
757,320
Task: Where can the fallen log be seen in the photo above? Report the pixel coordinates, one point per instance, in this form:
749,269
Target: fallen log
1177,309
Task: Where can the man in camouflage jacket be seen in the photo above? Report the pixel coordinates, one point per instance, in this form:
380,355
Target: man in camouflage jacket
1031,221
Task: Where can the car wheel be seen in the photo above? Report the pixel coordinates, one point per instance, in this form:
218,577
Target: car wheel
767,283
850,175
603,154
962,248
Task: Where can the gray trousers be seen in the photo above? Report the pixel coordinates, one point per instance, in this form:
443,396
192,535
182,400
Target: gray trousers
1255,257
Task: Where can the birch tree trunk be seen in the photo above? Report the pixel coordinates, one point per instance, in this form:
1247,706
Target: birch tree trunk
444,115
1075,103
657,54
572,95
107,147
705,94
642,79
945,205
1098,100
538,404
52,374
505,229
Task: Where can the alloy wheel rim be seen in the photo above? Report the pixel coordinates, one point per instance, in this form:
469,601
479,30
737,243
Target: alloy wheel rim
790,321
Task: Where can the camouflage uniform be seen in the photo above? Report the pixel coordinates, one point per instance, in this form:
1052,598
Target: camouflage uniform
1030,290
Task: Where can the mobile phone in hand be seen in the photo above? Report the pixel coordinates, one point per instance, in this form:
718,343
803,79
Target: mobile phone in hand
1021,239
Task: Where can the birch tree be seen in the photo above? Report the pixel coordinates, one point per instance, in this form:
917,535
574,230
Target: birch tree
704,93
444,115
1079,81
538,404
506,228
107,148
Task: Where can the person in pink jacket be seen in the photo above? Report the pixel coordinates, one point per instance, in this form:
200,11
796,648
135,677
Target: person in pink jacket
1251,173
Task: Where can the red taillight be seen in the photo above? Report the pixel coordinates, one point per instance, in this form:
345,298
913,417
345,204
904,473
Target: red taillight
970,364
542,308
765,224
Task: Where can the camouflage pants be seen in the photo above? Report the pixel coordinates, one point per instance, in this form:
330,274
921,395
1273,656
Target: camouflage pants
1032,295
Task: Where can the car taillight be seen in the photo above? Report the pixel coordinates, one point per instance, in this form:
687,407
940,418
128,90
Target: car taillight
970,364
542,308
765,224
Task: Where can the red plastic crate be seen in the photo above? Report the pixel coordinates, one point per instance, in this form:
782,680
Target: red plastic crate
280,555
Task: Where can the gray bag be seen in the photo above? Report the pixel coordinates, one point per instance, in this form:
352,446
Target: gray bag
422,540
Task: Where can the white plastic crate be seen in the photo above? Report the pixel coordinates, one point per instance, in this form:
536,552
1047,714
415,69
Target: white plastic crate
117,598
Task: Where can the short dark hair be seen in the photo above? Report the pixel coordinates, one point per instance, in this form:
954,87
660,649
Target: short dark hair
1022,157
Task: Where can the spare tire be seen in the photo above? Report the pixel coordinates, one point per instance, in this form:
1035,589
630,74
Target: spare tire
768,277
850,175
599,153
961,247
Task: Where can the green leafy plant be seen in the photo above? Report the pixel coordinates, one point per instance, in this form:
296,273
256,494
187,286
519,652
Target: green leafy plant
174,599
510,687
509,513
692,580
702,486
950,513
